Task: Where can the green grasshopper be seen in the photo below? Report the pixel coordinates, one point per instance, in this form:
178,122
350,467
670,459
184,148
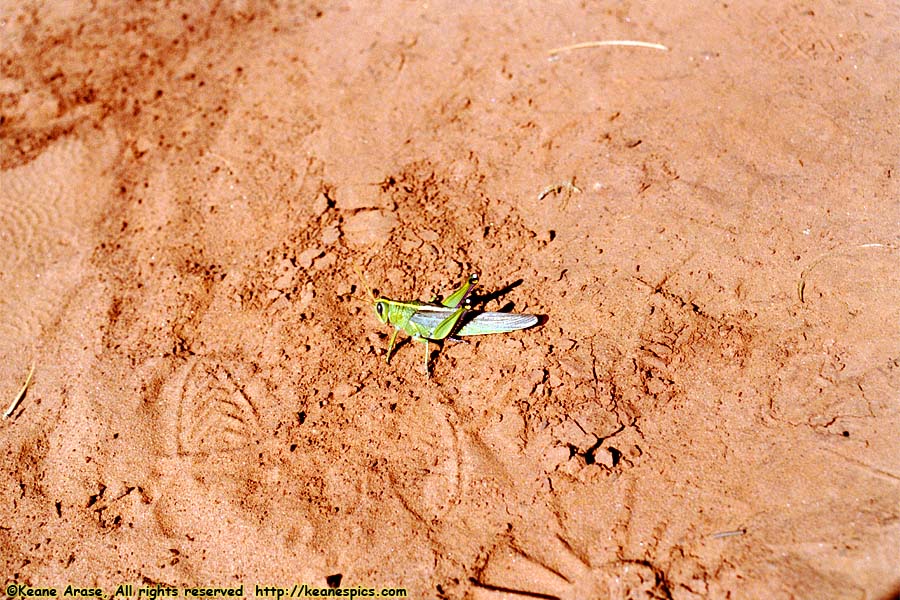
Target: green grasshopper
453,317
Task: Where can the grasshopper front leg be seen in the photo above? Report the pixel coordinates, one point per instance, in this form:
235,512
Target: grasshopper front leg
391,344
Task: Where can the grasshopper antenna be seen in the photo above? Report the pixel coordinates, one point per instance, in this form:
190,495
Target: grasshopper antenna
365,282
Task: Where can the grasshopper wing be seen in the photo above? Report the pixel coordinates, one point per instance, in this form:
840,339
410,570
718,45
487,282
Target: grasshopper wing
495,322
427,318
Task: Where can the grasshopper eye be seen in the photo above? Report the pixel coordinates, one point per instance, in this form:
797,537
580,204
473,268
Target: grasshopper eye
379,308
473,278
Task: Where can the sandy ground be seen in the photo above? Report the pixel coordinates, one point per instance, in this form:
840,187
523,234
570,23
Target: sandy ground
711,408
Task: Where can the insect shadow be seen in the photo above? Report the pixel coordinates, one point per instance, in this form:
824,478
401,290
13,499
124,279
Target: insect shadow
498,294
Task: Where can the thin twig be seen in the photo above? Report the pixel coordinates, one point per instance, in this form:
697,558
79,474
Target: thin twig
727,534
20,395
600,43
558,187
568,186
508,590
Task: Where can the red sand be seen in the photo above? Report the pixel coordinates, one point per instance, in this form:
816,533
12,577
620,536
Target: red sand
711,410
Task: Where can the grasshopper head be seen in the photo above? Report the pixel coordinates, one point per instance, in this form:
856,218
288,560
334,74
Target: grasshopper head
381,309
